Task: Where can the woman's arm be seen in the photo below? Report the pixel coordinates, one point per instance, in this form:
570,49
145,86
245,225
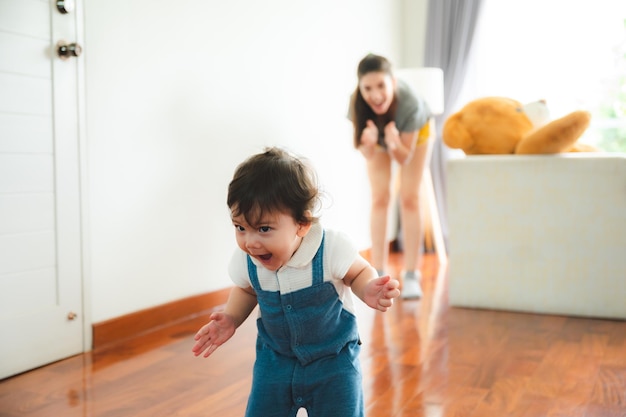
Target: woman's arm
400,145
369,139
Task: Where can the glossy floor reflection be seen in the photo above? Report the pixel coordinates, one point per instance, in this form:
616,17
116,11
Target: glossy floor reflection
421,358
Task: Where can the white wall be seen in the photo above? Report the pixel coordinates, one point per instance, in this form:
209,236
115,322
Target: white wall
177,94
414,20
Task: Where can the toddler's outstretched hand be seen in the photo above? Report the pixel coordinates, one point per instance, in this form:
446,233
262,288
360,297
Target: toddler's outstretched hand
213,334
380,292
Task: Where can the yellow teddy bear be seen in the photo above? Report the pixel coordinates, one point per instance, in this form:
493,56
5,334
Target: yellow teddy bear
500,125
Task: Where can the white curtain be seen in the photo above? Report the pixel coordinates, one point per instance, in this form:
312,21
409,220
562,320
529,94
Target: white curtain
450,32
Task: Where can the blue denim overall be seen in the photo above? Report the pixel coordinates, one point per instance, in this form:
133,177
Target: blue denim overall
307,352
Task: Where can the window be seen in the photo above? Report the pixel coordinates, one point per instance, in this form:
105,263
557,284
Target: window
572,53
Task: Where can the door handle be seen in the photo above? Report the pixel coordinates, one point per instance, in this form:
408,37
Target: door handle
68,50
65,6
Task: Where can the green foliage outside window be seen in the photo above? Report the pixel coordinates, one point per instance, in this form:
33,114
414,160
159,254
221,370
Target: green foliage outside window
610,133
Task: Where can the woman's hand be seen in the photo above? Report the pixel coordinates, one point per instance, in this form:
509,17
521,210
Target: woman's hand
369,139
392,136
213,334
400,146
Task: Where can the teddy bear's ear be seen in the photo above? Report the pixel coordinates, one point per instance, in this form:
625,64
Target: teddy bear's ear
454,133
538,113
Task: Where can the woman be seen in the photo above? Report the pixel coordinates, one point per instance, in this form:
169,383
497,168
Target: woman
392,123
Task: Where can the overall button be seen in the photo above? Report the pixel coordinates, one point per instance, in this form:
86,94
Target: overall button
288,307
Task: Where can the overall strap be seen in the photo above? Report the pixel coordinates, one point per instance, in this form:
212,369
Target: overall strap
254,278
318,263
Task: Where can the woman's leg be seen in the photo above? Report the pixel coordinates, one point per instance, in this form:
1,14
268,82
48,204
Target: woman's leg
410,213
379,172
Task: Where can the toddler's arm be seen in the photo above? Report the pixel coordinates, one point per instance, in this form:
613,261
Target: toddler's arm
376,292
222,325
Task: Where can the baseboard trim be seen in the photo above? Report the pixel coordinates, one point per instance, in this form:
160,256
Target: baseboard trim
143,321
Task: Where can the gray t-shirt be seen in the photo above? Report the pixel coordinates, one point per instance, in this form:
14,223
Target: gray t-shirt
412,112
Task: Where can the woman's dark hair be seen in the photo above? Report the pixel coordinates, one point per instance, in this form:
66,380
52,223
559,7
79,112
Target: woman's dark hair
271,181
362,112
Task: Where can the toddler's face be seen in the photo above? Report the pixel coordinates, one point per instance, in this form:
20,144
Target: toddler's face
273,241
377,89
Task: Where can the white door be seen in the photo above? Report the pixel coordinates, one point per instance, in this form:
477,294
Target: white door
40,229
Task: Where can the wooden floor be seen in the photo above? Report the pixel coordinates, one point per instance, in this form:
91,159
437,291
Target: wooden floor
421,358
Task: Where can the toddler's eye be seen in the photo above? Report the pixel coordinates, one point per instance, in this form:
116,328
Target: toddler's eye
264,229
239,228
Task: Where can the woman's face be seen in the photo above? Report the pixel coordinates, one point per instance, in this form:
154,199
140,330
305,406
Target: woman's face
377,89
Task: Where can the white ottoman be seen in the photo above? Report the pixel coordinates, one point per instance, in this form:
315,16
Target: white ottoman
541,234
